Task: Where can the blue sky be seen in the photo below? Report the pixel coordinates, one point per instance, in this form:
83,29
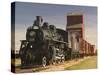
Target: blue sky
54,14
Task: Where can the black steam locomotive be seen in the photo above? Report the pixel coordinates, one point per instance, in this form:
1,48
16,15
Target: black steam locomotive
45,44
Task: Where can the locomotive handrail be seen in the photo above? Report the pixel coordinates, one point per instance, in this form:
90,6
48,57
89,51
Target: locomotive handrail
23,40
60,41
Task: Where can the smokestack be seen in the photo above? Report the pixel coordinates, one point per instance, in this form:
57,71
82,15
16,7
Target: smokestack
39,20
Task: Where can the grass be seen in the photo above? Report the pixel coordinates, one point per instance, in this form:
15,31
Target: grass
90,63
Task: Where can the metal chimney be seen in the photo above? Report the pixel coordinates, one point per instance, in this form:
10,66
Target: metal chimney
39,20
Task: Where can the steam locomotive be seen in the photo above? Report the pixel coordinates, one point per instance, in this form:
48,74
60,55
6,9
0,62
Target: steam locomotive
45,44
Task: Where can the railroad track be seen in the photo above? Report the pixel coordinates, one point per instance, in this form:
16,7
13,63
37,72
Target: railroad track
56,67
35,68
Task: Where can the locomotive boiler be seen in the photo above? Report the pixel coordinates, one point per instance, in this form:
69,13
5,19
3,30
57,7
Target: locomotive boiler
45,44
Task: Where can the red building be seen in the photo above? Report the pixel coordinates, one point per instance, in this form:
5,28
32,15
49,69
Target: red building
75,31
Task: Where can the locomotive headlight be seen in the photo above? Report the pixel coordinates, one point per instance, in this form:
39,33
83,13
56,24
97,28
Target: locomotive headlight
30,46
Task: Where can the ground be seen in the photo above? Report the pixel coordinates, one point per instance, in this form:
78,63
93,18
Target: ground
89,62
86,64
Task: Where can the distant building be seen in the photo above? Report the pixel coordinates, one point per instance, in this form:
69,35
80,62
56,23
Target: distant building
75,31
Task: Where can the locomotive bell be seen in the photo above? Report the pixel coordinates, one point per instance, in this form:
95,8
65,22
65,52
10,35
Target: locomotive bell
45,25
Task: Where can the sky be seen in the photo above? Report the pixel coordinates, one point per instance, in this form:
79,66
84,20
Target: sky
53,14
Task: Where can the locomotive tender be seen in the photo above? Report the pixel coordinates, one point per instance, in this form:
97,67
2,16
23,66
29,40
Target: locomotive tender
45,44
